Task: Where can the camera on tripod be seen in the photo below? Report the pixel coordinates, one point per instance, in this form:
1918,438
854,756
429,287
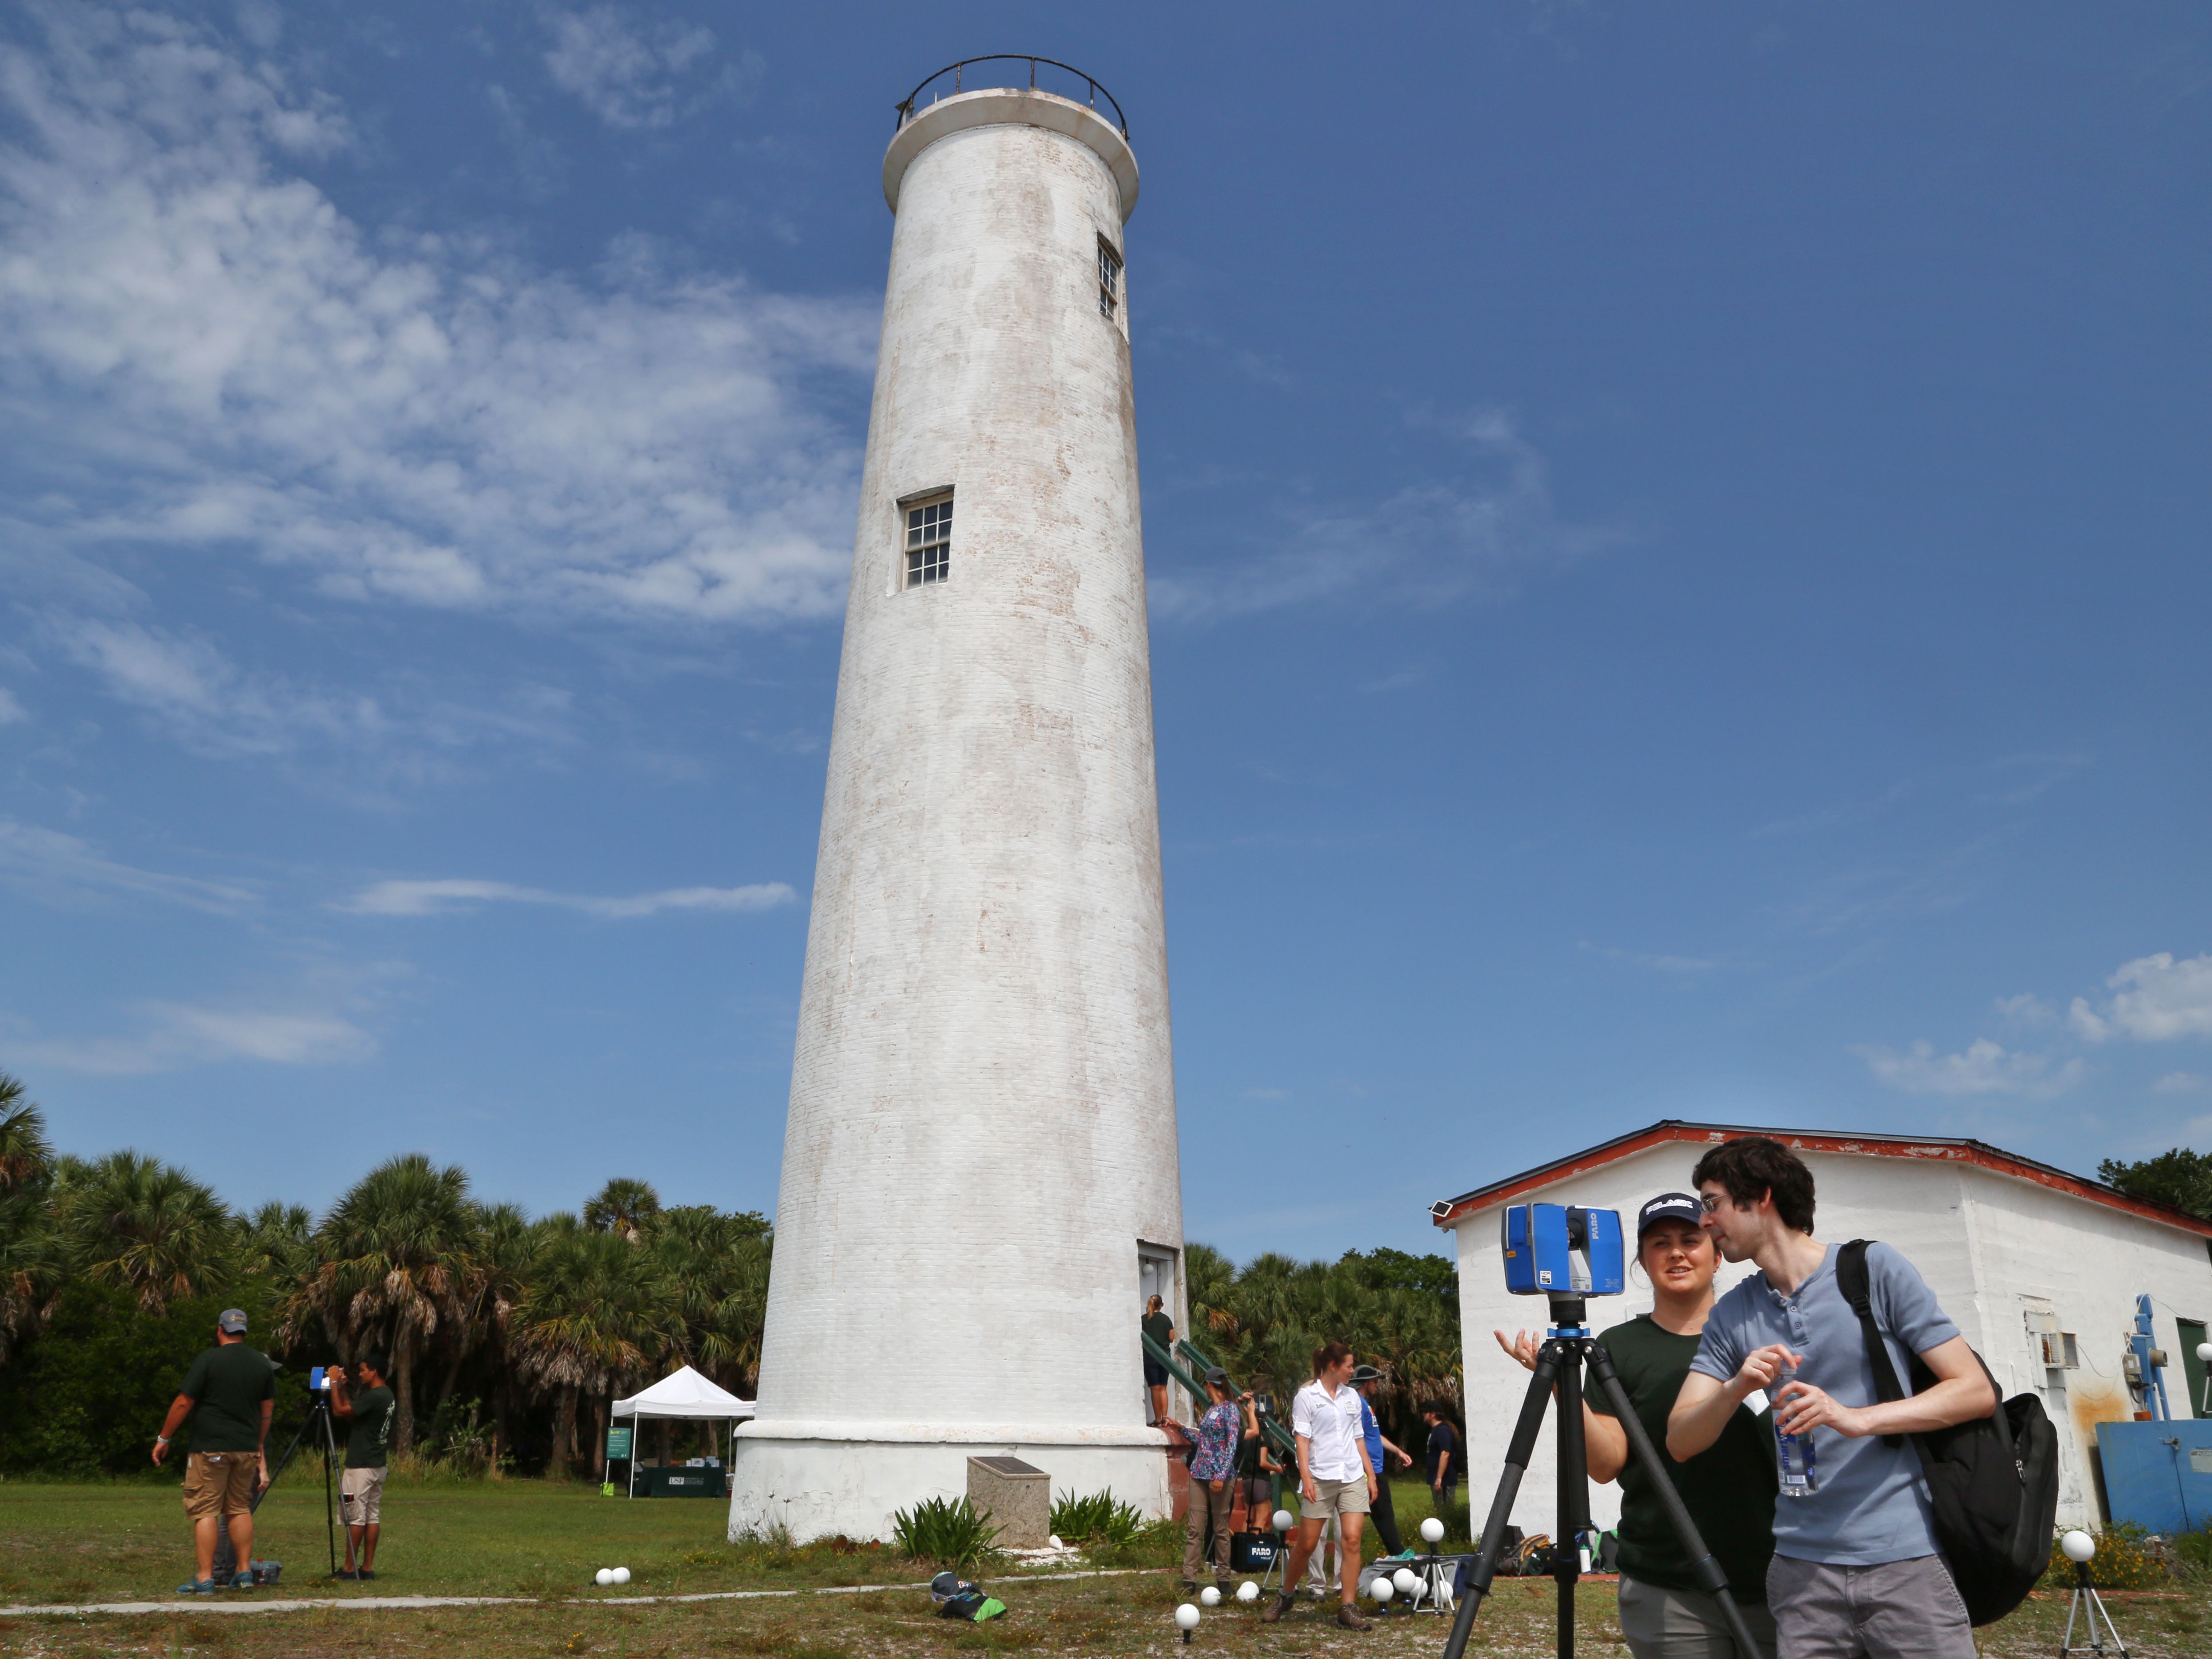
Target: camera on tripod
1562,1249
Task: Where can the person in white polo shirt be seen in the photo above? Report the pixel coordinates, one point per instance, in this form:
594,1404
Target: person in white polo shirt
1335,1477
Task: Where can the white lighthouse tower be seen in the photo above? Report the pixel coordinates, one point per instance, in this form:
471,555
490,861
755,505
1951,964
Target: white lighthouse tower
980,1179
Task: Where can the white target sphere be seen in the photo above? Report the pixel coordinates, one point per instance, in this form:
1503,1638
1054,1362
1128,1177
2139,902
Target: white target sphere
1053,1542
1404,1579
2078,1545
1433,1531
604,1575
2204,1351
1248,1591
622,1574
1210,1596
1284,1521
1381,1589
1186,1617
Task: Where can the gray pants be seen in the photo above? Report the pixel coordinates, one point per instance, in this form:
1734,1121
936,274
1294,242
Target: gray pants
1208,1507
1895,1610
1671,1624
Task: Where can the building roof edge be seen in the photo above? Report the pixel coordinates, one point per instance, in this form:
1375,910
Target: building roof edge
1446,1212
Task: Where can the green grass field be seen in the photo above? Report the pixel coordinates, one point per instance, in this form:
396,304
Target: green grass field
126,1541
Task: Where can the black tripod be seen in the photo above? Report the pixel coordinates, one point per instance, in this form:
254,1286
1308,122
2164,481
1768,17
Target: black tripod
1568,1347
318,1417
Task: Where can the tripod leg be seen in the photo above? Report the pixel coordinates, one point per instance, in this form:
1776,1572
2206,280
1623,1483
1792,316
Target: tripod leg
1703,1567
1574,1495
330,1532
1518,1453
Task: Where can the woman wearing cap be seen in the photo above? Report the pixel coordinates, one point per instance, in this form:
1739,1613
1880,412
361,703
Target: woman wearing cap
1210,1466
1729,1489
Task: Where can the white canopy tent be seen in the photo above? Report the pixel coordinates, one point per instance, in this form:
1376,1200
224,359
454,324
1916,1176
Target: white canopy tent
683,1394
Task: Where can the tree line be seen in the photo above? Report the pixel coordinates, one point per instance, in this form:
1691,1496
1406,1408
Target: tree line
508,1337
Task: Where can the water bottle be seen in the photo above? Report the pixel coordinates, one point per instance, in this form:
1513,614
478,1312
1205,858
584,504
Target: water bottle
1793,1452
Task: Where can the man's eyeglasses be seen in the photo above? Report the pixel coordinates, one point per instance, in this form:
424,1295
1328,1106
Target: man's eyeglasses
1709,1202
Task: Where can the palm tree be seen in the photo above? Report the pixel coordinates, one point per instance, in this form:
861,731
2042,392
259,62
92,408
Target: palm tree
717,1265
624,1206
134,1221
589,1320
396,1253
31,1264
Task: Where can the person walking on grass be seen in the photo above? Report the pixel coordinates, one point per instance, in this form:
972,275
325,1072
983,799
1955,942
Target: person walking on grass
1336,1478
1212,1496
1158,1324
1856,1570
228,1393
1443,1452
367,1416
1380,1451
1728,1490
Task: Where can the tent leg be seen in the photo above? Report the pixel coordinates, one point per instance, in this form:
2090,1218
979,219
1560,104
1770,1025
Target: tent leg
633,1456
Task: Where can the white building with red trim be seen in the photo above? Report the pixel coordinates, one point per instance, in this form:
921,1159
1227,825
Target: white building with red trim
2039,1268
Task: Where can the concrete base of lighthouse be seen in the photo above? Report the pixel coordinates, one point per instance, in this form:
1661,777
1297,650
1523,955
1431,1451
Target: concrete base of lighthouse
816,1479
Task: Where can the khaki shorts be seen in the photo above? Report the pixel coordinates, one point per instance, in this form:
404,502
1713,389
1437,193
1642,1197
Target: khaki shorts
1658,1623
360,1496
221,1483
1337,1497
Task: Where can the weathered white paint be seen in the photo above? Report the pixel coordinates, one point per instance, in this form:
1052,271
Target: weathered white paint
982,1107
1990,1246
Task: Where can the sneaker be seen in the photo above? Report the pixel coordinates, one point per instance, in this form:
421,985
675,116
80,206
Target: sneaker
347,1573
1276,1609
364,1575
198,1587
1349,1616
242,1580
1190,1587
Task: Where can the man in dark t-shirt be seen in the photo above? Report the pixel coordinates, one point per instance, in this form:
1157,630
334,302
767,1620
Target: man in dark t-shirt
367,1413
228,1393
1444,1458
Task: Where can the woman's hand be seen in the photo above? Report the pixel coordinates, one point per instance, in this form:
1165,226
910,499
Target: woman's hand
1522,1345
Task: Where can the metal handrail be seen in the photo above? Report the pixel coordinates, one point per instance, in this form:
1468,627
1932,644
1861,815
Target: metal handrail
906,106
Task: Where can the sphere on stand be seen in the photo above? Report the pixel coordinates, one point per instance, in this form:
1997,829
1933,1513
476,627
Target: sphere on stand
1186,1617
1405,1580
1381,1589
1210,1596
1248,1591
1433,1531
2078,1545
1284,1521
605,1576
622,1574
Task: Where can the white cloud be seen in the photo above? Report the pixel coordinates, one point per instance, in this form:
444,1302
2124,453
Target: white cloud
433,898
2182,1083
10,710
1429,542
60,869
208,354
181,1034
1984,1068
1664,964
633,72
2158,998
2026,1009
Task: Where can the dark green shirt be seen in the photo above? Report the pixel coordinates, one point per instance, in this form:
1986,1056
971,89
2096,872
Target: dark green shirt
1159,1327
371,1428
1729,1488
227,1385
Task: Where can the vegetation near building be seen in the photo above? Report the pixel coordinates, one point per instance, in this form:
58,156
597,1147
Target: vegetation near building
508,1338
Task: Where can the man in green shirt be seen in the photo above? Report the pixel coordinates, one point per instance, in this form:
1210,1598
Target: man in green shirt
1729,1488
228,1393
367,1416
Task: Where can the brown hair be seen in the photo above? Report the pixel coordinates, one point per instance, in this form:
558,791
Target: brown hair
1752,1166
1330,1353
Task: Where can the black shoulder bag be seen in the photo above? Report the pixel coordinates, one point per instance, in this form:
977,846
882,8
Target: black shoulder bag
1992,1482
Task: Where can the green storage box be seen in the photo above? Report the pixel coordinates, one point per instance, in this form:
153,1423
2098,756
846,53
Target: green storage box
679,1480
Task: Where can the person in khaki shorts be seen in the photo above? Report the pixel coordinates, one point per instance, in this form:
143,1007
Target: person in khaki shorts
1334,1478
228,1393
367,1416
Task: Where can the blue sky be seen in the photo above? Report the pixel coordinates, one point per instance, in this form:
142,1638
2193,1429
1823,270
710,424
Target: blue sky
1677,541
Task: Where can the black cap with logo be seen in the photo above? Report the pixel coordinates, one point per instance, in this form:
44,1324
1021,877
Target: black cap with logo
1670,1206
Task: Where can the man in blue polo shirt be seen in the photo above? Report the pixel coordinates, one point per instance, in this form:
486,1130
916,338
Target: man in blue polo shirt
1856,1570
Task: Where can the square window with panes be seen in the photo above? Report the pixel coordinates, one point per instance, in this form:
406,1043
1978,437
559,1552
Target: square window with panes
928,541
1109,279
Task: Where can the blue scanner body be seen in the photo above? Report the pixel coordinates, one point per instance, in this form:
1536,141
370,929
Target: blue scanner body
1562,1249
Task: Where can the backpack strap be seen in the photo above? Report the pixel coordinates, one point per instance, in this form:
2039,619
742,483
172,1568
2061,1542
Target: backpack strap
1857,1286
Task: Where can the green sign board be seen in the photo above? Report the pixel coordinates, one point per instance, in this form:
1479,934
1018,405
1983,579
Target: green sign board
618,1442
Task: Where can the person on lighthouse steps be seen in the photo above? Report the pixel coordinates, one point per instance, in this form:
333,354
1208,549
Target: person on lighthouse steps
1729,1489
1334,1478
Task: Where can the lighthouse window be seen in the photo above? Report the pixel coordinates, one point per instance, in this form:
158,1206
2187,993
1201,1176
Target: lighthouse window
928,542
1109,278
